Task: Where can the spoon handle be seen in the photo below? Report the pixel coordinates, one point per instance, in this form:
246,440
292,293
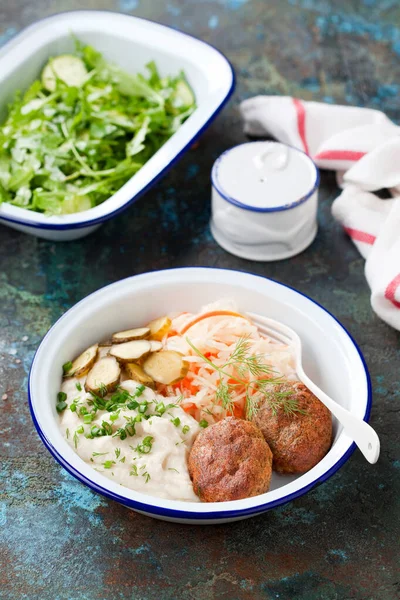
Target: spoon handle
363,435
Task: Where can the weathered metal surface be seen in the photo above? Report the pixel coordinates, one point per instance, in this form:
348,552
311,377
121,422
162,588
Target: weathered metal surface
61,541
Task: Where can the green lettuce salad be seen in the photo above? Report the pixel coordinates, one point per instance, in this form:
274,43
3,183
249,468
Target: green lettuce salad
78,134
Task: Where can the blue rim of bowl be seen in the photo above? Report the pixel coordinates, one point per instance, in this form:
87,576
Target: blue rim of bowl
117,211
189,515
216,184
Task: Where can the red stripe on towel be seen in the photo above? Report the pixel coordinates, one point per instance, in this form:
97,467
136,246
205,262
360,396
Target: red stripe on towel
391,290
360,236
301,122
339,155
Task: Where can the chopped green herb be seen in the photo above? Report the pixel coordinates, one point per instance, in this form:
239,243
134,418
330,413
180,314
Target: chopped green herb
99,453
129,428
107,428
143,407
133,404
96,401
117,452
121,433
185,429
67,367
78,431
176,421
61,404
72,407
171,469
108,464
87,419
67,433
95,431
102,390
146,476
122,396
203,423
208,411
130,425
173,405
114,416
83,411
78,386
146,445
160,408
134,471
122,459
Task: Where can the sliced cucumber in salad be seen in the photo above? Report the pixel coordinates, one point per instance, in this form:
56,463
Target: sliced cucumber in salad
183,95
69,69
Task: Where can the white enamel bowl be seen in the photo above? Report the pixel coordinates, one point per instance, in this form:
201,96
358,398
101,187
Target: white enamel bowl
331,358
130,42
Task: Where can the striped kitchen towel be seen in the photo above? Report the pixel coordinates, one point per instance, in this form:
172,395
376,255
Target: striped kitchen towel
363,146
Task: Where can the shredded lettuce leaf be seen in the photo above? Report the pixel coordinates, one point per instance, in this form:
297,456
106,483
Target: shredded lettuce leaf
69,149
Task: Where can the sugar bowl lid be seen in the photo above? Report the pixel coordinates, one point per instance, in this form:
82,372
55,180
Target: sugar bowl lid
265,176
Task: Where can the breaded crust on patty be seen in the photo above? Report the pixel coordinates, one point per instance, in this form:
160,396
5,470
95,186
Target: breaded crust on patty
298,441
230,460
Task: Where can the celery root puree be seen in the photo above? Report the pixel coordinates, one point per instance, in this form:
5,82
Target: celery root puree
154,459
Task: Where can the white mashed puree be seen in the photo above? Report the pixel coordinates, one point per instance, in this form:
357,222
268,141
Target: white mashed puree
158,468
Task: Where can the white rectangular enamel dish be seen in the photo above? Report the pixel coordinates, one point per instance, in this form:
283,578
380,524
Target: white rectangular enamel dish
130,42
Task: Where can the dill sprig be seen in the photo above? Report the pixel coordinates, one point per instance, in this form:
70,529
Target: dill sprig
249,371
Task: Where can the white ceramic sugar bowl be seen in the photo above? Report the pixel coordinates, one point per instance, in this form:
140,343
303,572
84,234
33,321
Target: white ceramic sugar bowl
264,201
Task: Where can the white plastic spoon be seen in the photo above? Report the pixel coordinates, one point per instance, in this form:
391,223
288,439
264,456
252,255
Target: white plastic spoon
363,435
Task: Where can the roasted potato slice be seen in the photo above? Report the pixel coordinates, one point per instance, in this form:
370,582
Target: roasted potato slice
104,375
155,346
136,373
105,343
103,351
166,366
82,364
159,328
140,333
130,351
